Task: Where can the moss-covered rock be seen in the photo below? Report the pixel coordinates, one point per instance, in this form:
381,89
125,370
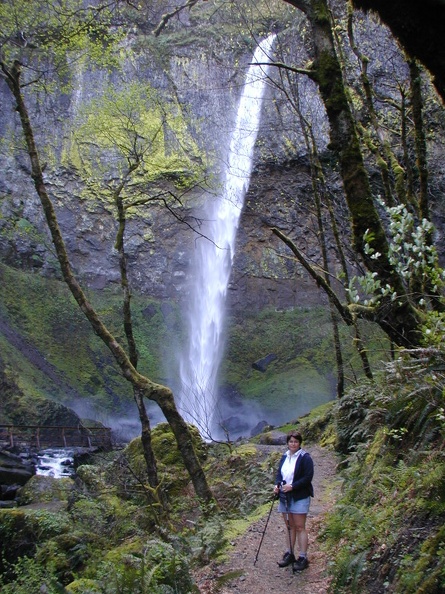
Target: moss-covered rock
84,586
171,470
22,530
46,489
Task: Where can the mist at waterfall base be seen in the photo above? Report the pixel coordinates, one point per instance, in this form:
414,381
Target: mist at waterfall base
199,400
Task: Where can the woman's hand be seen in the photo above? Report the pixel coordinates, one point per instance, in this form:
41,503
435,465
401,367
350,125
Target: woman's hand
276,489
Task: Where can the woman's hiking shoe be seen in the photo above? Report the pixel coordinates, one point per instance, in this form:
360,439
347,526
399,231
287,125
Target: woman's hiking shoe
288,558
300,564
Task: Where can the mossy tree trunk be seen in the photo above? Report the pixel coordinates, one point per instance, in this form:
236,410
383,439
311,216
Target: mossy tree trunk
160,394
399,319
318,189
157,494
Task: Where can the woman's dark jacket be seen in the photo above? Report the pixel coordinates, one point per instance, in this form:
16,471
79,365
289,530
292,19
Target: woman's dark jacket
303,475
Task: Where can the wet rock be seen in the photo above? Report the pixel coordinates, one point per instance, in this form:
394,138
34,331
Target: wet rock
273,438
13,470
262,364
259,428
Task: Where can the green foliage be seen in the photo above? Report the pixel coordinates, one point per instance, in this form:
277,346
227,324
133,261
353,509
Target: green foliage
63,555
208,539
392,507
133,136
156,569
414,406
21,532
34,524
30,577
357,417
92,515
54,30
425,573
414,259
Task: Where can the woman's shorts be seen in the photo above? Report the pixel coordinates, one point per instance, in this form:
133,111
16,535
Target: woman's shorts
301,506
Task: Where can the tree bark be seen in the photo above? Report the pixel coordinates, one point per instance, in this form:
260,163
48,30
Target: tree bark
399,319
157,495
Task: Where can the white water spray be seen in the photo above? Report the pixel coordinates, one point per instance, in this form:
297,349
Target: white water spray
214,255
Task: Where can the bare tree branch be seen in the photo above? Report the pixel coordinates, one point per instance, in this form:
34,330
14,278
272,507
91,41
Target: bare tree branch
169,15
321,282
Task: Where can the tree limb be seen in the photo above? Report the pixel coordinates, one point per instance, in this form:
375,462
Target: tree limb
321,282
169,15
307,71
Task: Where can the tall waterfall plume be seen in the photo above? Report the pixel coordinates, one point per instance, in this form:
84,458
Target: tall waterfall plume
199,364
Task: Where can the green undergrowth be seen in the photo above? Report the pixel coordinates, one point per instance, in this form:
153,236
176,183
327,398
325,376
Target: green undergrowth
386,531
110,537
384,534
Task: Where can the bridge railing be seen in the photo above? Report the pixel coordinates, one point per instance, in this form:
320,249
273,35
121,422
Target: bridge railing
41,437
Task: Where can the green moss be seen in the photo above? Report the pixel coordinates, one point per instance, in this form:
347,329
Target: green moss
132,468
134,546
235,528
374,452
21,530
329,77
57,335
44,489
246,451
83,586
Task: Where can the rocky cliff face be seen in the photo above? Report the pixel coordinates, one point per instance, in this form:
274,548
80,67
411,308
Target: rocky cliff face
205,81
201,65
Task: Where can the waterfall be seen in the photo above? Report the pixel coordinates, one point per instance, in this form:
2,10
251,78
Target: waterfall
214,253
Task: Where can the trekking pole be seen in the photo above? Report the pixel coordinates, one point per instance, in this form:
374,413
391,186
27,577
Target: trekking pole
291,548
275,497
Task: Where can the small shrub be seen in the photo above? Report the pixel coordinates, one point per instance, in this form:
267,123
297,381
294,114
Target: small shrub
26,576
156,569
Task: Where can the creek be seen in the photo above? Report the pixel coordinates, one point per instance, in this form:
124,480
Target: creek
56,462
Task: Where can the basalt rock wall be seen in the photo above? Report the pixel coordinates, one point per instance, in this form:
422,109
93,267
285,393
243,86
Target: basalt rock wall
159,248
204,75
205,81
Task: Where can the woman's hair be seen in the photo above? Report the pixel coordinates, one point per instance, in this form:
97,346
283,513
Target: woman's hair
295,435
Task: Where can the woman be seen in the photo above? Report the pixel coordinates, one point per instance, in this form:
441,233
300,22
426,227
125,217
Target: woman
293,484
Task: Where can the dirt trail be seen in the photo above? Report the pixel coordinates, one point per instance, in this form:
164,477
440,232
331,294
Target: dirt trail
265,576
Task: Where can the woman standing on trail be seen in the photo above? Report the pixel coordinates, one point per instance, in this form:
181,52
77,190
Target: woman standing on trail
293,484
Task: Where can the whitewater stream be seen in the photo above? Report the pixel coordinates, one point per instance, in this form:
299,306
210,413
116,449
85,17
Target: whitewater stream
55,462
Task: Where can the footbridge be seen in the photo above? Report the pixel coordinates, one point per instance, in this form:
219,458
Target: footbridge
44,436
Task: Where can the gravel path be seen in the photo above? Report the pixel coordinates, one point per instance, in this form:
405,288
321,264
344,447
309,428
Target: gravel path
239,574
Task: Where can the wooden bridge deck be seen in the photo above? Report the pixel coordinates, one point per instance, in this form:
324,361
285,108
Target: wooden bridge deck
41,437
